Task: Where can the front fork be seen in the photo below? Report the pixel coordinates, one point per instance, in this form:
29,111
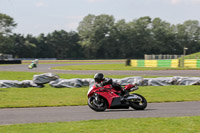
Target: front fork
97,100
96,96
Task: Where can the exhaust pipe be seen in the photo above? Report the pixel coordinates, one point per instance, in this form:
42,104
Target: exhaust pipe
133,97
134,88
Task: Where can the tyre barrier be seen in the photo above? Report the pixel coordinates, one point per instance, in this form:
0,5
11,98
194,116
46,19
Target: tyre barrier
55,81
10,62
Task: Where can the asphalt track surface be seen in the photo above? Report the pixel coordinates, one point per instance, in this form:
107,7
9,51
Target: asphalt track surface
77,113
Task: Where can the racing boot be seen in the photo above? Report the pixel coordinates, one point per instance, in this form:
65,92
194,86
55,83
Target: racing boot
124,94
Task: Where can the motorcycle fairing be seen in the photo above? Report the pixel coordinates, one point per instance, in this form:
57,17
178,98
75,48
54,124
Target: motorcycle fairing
114,100
109,96
117,104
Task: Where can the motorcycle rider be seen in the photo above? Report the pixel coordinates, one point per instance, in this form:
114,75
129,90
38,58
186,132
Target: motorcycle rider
33,64
101,81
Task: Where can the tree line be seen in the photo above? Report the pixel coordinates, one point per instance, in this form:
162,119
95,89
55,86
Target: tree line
102,37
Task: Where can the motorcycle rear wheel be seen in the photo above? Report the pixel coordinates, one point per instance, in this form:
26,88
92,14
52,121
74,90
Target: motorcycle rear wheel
138,105
102,104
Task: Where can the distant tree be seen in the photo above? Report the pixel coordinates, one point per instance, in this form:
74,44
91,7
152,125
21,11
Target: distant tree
6,46
23,47
140,37
64,44
188,35
94,33
102,38
6,24
163,38
121,36
44,49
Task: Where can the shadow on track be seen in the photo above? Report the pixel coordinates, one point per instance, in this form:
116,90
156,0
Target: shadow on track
127,110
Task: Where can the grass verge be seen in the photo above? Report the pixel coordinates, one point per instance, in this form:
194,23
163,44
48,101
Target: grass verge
130,125
7,75
117,67
73,61
48,96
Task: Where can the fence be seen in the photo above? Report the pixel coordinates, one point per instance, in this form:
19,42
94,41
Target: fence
6,57
159,57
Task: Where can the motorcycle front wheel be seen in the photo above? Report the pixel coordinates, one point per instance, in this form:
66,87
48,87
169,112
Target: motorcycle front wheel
30,67
98,106
138,105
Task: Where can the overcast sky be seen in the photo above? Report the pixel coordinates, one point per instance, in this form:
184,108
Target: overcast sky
45,16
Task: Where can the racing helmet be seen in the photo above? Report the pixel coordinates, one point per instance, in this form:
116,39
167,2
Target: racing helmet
98,77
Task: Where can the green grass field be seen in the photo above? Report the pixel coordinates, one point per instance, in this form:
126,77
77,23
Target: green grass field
48,96
73,61
192,56
6,75
131,125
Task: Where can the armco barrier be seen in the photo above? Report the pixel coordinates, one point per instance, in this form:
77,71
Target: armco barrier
192,63
155,63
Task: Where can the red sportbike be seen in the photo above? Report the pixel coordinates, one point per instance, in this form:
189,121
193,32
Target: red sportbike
106,97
